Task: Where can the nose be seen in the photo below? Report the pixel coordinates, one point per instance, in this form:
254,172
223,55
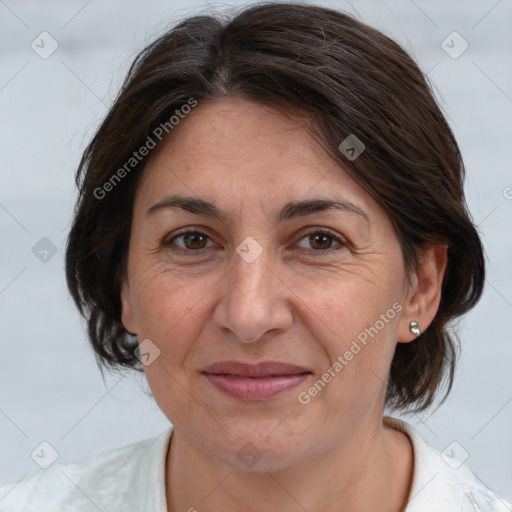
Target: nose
255,300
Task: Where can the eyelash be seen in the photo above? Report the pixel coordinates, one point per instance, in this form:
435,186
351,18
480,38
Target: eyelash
168,242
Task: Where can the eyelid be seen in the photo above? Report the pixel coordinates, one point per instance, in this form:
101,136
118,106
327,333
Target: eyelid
184,231
306,231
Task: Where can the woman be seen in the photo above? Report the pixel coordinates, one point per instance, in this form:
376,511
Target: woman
272,226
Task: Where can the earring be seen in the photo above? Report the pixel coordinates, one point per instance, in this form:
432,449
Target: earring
414,327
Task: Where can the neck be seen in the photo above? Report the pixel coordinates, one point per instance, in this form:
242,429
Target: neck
370,470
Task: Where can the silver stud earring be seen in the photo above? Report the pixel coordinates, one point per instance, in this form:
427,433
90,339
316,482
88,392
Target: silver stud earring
414,327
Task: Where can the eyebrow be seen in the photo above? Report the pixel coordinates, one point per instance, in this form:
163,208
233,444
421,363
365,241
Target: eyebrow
290,210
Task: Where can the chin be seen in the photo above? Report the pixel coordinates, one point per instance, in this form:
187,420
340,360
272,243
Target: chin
268,447
257,459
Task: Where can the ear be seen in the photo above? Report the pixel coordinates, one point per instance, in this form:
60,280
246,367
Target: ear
424,295
127,314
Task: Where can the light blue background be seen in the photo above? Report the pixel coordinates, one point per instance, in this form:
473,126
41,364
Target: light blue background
50,387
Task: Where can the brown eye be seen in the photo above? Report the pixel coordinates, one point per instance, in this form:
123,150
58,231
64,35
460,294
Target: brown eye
191,241
196,240
321,241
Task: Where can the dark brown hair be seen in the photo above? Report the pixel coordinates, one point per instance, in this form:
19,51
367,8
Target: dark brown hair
352,80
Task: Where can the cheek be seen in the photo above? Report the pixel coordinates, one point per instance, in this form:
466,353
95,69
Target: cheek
357,326
166,300
349,306
170,310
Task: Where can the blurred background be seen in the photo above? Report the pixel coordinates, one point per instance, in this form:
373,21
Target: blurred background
61,63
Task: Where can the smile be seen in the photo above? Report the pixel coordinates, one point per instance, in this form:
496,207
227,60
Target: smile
254,382
255,388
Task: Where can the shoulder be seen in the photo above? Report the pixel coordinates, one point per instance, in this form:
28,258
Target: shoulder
444,483
132,474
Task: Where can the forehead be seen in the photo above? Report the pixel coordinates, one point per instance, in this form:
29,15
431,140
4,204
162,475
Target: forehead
237,133
234,151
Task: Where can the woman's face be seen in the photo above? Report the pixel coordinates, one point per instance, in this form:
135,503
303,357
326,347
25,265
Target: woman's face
255,285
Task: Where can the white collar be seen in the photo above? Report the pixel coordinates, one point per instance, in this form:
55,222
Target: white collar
442,484
436,486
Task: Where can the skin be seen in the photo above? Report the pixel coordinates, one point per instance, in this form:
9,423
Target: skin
301,302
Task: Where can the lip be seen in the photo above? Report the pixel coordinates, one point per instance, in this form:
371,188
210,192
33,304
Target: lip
266,369
255,382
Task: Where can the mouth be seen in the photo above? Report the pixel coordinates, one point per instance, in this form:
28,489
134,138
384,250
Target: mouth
254,382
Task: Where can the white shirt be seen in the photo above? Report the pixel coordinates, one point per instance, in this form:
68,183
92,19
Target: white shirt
131,479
